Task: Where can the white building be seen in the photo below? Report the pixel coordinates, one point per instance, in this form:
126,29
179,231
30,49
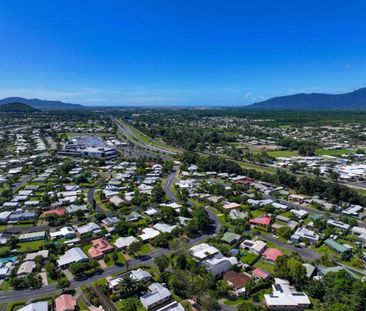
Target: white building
72,255
286,297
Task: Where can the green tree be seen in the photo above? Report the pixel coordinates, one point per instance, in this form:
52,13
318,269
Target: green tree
161,262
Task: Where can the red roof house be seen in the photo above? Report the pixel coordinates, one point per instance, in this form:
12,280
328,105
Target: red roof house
245,181
65,302
57,211
271,254
261,221
99,248
236,279
261,274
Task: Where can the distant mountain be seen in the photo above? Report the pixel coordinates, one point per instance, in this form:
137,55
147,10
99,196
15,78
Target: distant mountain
41,104
316,101
16,107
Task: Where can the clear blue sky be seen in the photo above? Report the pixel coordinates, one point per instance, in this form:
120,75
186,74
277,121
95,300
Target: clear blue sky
180,52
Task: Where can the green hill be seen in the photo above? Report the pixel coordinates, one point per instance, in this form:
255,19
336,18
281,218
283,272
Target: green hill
16,107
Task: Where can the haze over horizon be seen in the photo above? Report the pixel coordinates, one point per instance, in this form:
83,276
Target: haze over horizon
174,53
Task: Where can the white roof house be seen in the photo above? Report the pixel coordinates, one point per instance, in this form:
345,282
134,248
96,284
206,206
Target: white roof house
338,224
173,306
307,234
140,275
90,227
65,232
36,306
123,242
32,256
164,227
26,267
203,251
151,211
255,247
230,205
217,266
286,297
280,206
157,296
148,234
72,255
353,210
299,213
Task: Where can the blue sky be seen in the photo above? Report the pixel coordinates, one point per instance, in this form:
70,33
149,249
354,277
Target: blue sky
180,52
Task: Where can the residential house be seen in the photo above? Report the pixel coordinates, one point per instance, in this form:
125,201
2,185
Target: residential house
158,296
173,306
164,227
72,255
255,247
271,254
263,221
65,302
337,247
338,224
219,264
230,237
236,280
43,253
261,274
124,242
64,233
148,234
91,227
36,306
99,248
203,251
26,267
286,297
303,233
32,236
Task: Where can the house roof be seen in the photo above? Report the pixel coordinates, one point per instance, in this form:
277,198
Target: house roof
237,279
173,306
260,273
99,247
272,254
36,306
57,211
65,302
72,255
158,294
230,237
122,242
26,267
262,220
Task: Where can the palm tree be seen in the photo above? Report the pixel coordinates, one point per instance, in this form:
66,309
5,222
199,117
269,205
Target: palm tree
128,285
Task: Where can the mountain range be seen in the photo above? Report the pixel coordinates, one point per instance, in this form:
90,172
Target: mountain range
316,101
17,107
41,104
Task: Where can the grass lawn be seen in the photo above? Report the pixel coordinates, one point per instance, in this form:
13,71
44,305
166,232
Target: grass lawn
82,306
333,152
236,302
257,213
121,259
248,258
30,246
145,249
5,285
15,305
265,265
283,153
86,247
